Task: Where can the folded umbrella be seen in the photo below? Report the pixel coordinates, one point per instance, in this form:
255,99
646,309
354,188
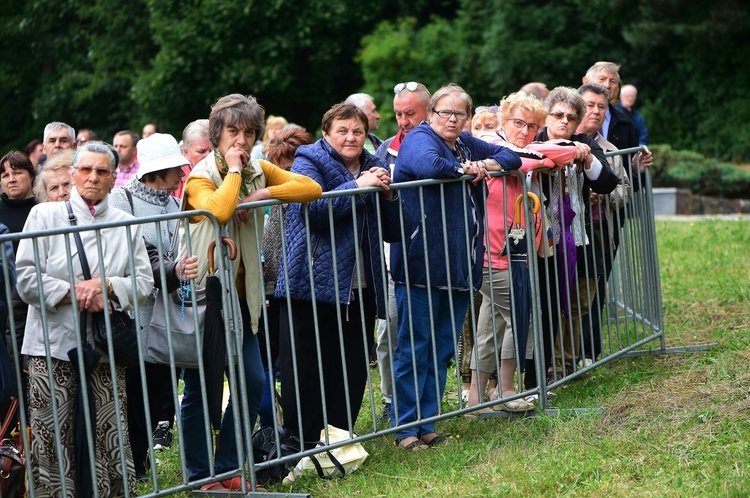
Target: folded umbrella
84,479
517,249
214,344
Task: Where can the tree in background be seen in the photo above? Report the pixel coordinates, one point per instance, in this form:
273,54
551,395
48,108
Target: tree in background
110,65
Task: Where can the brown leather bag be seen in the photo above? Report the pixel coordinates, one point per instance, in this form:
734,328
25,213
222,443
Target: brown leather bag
12,459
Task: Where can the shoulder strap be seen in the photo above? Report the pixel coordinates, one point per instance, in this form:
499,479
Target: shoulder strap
84,262
130,200
79,244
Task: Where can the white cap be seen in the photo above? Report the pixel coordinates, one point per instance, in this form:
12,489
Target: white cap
157,152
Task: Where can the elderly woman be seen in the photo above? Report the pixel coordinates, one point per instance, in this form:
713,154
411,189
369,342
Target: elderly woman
570,212
17,178
93,176
520,117
430,292
148,193
53,183
337,162
221,181
195,147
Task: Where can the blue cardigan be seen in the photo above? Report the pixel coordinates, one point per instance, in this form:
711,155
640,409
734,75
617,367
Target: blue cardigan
424,155
323,164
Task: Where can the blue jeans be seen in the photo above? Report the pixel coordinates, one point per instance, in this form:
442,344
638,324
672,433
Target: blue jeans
429,388
194,426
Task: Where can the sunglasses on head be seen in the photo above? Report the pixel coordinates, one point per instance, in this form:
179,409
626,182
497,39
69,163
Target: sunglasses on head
491,109
411,86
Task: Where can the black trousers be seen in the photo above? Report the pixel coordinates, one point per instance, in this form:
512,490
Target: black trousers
307,384
159,385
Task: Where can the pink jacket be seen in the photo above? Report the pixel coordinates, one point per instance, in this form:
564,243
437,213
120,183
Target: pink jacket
536,157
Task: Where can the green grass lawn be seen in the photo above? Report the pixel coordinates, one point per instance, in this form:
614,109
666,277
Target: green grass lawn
676,425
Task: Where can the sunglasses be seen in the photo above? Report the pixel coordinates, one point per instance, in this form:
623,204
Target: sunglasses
491,109
101,173
411,86
572,118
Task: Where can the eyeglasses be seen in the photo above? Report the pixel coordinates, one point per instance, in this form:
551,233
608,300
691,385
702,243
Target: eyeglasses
491,109
80,140
101,173
559,115
520,124
446,113
411,86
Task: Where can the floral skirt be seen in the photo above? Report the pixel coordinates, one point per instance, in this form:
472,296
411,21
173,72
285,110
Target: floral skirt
49,468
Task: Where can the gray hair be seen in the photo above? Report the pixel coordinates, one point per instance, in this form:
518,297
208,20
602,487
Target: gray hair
594,88
98,148
609,67
59,125
569,96
359,99
197,130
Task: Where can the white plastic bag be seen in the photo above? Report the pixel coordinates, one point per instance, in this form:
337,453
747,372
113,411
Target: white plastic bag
330,464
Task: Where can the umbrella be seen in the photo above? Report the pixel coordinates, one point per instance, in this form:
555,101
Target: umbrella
84,479
517,247
214,345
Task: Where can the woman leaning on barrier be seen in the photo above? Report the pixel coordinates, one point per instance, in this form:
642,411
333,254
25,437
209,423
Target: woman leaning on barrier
346,258
221,181
429,290
93,176
520,115
569,212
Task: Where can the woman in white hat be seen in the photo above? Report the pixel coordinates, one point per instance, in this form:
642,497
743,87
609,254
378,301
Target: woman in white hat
149,193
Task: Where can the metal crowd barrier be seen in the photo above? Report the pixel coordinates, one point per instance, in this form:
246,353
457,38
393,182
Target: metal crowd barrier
622,287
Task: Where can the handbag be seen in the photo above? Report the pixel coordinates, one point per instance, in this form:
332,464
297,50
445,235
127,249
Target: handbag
185,322
330,464
265,449
182,320
187,340
12,459
122,325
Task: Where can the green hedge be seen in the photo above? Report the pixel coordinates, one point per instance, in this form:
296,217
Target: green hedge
697,173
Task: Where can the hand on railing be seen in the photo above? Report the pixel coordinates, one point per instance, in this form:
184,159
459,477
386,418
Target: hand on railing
376,177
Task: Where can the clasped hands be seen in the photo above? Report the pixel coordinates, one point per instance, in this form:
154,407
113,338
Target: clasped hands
376,177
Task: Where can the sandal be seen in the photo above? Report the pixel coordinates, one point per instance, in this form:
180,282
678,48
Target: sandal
416,445
515,406
437,440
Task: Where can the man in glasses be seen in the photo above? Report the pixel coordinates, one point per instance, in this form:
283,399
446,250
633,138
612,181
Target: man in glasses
366,104
411,104
85,135
124,142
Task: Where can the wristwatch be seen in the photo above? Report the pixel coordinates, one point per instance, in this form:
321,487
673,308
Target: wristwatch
109,287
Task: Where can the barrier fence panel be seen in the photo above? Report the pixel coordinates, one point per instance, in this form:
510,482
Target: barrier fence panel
446,273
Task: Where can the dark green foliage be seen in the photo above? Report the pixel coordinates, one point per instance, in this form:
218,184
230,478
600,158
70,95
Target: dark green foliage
110,65
697,173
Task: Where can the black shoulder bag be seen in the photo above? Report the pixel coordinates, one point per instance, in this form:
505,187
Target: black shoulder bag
124,336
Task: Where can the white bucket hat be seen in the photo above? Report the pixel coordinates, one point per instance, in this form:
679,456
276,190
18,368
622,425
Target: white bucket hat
158,152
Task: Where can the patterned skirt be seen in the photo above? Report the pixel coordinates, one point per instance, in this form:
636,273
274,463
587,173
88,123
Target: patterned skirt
49,468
